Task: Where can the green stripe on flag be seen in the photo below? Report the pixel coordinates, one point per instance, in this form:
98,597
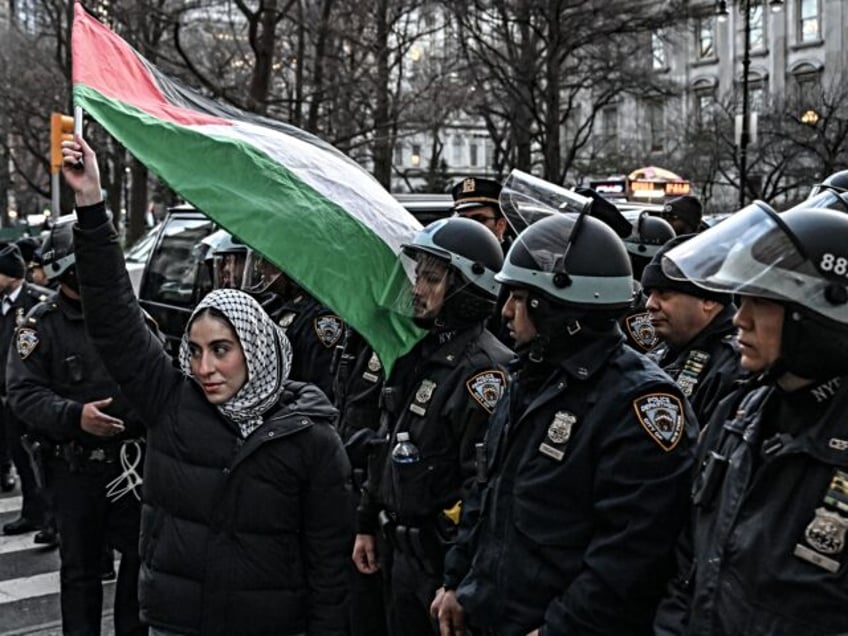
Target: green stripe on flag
335,257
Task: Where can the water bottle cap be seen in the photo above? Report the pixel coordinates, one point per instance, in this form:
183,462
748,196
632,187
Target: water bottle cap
403,437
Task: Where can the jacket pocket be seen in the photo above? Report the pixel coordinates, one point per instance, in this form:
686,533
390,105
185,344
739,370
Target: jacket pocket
417,486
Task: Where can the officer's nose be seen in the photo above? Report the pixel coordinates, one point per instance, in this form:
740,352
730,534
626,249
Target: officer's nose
508,310
742,317
651,303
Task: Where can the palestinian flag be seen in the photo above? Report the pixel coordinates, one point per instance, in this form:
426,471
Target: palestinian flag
292,197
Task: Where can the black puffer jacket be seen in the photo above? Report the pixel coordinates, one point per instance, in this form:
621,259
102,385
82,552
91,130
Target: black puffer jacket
238,536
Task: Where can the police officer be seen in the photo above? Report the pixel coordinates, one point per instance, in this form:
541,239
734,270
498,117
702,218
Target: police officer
649,234
767,553
684,213
584,474
313,329
477,199
695,325
437,398
18,297
90,444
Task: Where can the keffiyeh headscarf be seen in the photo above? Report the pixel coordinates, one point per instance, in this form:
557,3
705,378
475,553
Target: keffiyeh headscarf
267,353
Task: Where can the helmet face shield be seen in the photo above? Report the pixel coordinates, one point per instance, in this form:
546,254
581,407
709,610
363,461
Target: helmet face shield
525,199
753,253
259,273
423,294
228,269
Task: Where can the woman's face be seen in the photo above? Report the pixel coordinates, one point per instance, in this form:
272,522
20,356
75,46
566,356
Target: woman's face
217,359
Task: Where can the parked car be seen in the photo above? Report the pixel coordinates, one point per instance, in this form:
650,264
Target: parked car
136,256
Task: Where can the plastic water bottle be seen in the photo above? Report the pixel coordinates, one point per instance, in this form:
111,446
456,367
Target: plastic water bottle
405,452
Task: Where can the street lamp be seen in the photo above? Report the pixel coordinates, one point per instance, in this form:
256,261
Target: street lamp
745,129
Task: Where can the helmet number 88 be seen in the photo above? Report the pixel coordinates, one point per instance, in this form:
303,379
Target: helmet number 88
830,263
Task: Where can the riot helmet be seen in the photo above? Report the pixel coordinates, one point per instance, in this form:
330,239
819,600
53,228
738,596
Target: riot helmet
57,252
798,259
453,263
578,274
225,259
649,234
837,183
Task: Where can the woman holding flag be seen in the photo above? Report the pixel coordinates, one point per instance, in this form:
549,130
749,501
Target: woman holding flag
246,510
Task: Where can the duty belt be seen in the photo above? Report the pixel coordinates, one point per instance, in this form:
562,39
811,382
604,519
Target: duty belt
417,542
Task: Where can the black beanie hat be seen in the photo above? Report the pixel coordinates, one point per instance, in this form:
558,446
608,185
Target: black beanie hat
11,262
687,208
654,278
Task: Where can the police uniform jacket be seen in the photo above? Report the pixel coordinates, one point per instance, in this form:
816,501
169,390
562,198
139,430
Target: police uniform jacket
238,536
708,366
770,519
314,332
442,394
53,369
29,296
585,490
357,382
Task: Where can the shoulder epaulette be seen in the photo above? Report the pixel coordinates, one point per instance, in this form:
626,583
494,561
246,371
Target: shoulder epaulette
40,310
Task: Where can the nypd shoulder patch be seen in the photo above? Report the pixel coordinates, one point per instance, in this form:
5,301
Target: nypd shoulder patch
661,415
487,387
26,340
641,331
329,329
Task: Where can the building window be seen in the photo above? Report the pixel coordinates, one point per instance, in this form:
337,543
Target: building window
415,159
658,53
655,126
472,154
705,31
399,154
809,21
703,103
756,96
609,126
456,151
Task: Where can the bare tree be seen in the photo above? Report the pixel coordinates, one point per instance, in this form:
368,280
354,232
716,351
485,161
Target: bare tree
540,59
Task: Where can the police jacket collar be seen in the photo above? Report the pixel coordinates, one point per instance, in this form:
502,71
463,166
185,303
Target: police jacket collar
449,354
587,360
825,438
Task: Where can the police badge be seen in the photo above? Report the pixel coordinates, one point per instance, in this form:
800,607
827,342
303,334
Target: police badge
20,316
559,432
661,415
641,331
374,367
422,396
487,388
329,329
825,534
26,340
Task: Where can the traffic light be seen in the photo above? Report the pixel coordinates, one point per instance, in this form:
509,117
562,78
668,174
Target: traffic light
61,129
